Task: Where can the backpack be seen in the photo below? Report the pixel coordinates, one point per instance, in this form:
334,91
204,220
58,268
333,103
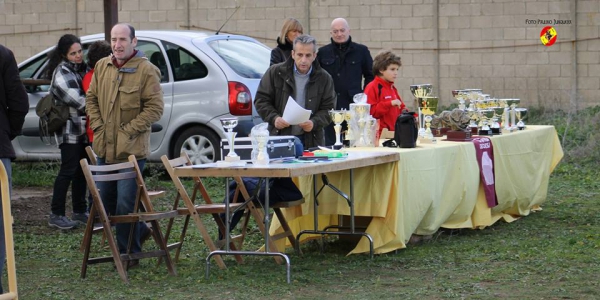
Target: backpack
53,116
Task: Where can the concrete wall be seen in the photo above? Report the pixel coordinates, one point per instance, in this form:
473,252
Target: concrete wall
453,44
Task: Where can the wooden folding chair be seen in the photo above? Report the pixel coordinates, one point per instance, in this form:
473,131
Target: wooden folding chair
193,209
276,207
97,227
143,212
7,218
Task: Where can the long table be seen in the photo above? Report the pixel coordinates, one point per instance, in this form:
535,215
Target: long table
433,186
356,160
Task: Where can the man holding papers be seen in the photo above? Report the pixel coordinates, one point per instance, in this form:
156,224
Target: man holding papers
302,80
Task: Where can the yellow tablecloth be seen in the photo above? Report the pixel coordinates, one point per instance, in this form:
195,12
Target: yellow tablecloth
433,186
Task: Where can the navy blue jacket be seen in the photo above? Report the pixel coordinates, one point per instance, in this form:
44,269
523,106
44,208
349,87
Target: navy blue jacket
14,102
347,70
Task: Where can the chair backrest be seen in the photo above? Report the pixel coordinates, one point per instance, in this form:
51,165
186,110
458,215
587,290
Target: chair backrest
115,172
184,160
92,155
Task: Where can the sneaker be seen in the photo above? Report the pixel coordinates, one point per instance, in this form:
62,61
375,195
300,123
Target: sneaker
61,222
80,218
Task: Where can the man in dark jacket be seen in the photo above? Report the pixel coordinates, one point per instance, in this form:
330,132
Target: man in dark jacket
347,62
14,106
311,87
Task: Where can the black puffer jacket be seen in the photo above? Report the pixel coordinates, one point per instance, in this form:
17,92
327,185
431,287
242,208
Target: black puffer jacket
347,68
281,53
14,102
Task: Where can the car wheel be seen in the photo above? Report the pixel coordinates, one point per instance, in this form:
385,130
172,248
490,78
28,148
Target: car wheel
200,144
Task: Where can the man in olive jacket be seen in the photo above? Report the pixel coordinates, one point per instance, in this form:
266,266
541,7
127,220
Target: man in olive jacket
122,102
311,87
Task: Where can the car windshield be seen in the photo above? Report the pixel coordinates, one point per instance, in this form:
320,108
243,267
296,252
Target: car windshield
248,59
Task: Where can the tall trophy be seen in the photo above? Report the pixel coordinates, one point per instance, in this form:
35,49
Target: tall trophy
338,116
427,106
359,112
418,91
232,158
509,114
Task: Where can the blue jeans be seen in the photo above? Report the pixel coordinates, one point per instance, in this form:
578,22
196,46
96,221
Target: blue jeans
119,199
6,163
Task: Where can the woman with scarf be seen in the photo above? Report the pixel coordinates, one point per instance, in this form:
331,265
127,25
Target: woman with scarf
67,68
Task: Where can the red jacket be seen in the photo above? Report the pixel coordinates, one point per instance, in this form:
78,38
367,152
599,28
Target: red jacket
380,94
87,79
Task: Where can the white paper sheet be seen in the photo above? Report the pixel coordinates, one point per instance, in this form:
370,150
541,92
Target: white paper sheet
294,113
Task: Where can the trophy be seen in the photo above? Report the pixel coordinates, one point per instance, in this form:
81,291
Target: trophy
486,116
359,111
498,114
460,95
427,106
338,116
521,113
418,91
229,124
511,105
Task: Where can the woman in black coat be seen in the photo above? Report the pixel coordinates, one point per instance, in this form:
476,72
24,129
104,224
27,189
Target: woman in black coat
285,41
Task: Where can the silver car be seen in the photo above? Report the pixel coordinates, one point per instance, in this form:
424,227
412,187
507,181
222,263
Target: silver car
205,77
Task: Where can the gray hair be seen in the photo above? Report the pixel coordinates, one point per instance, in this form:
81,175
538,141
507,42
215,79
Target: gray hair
306,39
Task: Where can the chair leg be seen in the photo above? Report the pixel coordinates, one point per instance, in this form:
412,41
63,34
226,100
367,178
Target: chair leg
87,241
286,228
259,216
160,241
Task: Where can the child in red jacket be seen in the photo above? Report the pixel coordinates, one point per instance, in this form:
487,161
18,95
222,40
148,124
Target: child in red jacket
386,104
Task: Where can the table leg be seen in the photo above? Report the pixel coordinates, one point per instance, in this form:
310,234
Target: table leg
350,200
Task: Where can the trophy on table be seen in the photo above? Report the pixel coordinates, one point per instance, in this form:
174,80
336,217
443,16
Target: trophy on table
359,111
418,91
338,116
521,113
461,96
486,116
510,105
232,157
427,106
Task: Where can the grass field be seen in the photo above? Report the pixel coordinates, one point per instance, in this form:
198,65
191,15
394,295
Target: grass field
552,254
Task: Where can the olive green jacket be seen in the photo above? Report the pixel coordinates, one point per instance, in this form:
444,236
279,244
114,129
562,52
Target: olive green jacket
278,84
122,103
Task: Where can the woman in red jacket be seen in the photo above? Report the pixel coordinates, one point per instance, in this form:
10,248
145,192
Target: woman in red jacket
97,51
386,104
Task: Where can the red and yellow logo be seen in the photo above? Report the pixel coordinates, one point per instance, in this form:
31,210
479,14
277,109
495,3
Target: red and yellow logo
548,36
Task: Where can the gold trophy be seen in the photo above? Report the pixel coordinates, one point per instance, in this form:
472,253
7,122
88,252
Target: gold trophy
486,116
338,116
427,106
521,114
461,96
418,91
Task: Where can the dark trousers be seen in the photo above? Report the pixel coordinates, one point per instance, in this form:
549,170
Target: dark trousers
119,198
70,174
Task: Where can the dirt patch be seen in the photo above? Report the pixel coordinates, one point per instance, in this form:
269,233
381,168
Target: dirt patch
30,208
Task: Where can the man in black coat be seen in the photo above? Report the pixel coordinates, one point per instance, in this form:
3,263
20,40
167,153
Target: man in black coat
348,63
14,105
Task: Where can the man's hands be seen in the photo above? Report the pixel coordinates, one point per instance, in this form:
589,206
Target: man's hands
306,126
280,123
